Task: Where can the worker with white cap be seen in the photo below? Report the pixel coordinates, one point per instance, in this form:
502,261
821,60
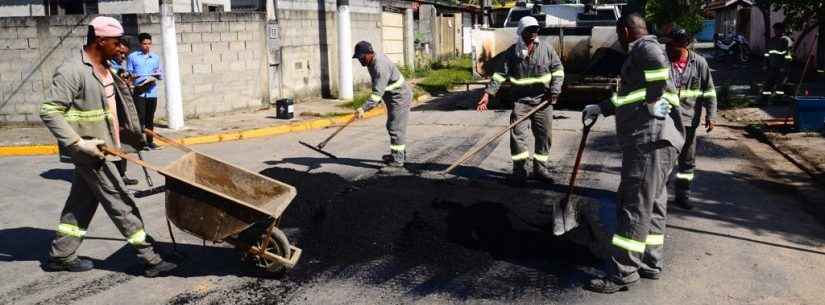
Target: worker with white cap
88,106
535,71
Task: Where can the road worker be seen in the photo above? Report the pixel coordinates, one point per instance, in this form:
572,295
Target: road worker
650,131
691,76
778,55
389,86
536,74
89,106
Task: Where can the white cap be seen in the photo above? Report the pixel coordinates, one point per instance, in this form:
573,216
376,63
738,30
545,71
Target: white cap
526,22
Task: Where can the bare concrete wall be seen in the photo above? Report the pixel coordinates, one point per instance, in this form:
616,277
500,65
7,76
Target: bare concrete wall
221,59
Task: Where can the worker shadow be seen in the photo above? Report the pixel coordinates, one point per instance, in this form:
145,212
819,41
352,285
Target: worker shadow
413,168
428,235
32,244
316,163
58,174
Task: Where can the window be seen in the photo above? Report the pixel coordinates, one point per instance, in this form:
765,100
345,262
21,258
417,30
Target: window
71,7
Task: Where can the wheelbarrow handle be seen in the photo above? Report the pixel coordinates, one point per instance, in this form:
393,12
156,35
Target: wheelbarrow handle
117,152
169,141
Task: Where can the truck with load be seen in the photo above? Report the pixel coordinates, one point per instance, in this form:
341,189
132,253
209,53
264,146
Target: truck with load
584,36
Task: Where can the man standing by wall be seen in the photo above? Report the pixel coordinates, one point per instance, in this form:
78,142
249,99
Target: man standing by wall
388,85
691,75
650,135
536,73
89,106
144,65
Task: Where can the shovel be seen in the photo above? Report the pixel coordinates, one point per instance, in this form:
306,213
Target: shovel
320,147
564,213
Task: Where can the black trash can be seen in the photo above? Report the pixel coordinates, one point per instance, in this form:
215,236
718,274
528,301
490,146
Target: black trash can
284,109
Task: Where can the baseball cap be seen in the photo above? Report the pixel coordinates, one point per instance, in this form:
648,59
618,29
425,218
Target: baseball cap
361,48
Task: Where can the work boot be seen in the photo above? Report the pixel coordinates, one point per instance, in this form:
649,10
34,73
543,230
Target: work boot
161,268
606,285
76,265
649,274
152,146
542,173
387,158
129,181
519,176
393,167
682,200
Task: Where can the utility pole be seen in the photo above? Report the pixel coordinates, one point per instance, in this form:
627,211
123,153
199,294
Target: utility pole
344,51
174,99
409,40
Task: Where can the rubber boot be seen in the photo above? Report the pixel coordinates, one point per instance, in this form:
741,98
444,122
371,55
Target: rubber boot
519,176
541,172
159,269
76,265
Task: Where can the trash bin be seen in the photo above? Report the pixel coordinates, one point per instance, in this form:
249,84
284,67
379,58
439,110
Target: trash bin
809,113
284,109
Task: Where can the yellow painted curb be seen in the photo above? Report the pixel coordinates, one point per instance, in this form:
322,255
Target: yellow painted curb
33,150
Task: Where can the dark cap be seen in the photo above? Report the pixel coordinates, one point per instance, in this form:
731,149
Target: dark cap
362,48
679,35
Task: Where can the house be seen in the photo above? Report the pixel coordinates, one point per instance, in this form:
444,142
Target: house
22,8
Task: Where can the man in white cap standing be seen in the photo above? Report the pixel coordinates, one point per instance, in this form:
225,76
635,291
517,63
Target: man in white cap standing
89,106
536,73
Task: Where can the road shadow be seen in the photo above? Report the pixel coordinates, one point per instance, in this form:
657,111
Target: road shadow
58,174
457,236
32,244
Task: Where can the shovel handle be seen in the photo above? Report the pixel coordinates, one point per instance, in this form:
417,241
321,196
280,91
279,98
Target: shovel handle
119,153
169,141
324,143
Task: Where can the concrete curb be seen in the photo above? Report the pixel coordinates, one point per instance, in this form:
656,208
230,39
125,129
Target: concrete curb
34,150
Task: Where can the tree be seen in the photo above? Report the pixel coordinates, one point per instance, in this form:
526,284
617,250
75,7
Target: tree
765,7
685,13
805,15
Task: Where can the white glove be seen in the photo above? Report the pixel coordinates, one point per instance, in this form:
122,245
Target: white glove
359,113
89,148
660,109
590,113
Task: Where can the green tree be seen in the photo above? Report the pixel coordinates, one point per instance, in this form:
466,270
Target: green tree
804,15
685,13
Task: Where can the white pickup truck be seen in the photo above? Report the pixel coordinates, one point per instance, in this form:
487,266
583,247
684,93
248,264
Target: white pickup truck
583,35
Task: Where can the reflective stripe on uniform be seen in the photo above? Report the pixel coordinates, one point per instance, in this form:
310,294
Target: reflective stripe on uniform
689,93
709,93
521,156
684,176
655,239
628,244
71,230
541,158
395,85
657,75
499,78
640,95
375,98
544,79
137,238
401,147
766,93
48,108
671,98
96,115
558,73
779,92
777,52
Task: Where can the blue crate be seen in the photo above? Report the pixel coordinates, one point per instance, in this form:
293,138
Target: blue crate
809,113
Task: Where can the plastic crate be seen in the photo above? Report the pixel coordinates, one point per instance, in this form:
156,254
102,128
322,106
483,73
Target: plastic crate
809,113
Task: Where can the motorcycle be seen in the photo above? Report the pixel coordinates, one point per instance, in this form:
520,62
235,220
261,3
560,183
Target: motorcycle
732,45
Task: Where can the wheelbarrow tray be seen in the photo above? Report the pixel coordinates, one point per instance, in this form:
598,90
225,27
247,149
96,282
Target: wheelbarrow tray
214,200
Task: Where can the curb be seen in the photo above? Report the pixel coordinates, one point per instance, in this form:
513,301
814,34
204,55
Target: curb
34,150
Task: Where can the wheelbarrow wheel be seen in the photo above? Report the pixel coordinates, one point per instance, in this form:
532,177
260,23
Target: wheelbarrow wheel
278,245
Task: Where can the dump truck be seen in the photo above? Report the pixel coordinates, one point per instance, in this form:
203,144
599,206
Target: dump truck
584,36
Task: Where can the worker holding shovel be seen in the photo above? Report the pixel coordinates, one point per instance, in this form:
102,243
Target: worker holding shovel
388,85
536,73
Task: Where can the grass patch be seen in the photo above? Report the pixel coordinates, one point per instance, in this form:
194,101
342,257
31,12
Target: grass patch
444,74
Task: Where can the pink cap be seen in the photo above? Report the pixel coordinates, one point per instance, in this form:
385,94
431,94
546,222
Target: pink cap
106,27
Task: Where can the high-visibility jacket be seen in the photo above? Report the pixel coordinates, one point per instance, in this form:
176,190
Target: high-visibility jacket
778,51
386,79
645,78
696,91
76,108
533,76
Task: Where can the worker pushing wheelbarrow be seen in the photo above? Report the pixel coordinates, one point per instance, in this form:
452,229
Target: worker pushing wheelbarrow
220,202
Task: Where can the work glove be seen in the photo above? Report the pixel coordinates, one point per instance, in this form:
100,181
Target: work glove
359,113
86,151
660,109
590,113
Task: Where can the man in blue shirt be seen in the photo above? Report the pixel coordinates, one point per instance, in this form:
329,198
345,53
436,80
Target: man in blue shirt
144,66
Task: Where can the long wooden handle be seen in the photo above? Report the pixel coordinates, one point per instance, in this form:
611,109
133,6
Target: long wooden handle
478,148
119,153
576,164
324,143
169,141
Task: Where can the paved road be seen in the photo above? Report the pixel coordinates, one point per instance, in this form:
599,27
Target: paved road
412,240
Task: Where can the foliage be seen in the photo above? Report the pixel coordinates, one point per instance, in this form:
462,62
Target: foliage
687,14
445,73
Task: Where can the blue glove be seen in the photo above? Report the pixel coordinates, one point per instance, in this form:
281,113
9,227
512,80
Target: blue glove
660,109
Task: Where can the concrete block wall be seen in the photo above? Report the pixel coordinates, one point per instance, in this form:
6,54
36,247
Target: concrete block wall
310,44
221,55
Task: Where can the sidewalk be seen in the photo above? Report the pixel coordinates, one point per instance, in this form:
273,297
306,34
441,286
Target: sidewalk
312,114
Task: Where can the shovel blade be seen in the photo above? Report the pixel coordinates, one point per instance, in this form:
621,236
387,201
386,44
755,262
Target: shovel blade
317,150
